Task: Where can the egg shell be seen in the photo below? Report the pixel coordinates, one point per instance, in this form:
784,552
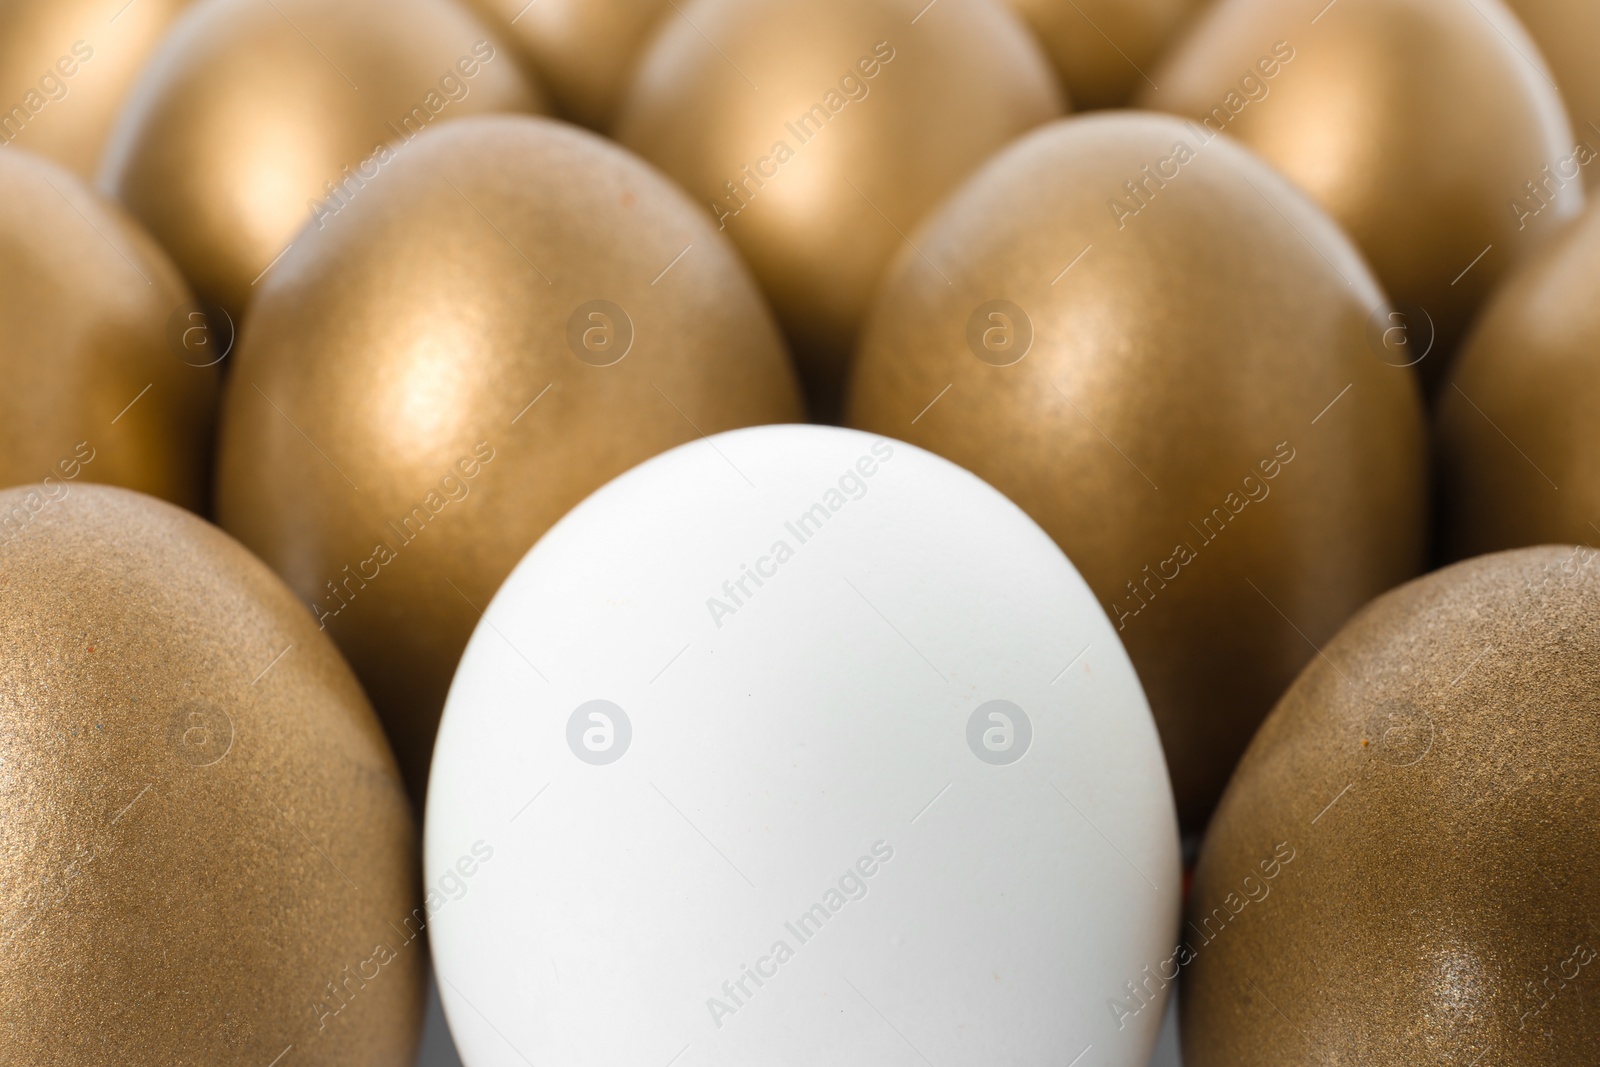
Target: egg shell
1103,50
1568,35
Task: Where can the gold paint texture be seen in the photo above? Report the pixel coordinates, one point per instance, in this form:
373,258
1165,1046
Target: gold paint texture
1568,34
427,385
882,107
1104,50
1197,420
1435,777
93,388
259,117
201,826
1416,124
66,66
1519,422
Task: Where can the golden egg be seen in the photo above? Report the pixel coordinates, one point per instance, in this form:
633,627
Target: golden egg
66,67
1518,433
206,854
517,313
1104,50
106,370
819,132
1568,33
259,117
1424,127
1404,869
584,50
1159,349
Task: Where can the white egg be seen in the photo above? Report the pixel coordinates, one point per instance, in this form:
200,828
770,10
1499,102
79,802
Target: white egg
799,746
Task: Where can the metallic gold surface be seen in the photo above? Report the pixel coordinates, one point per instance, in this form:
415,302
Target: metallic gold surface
202,831
1404,869
1104,50
949,84
258,117
1568,33
1190,407
1417,124
66,67
1517,425
91,388
517,313
583,50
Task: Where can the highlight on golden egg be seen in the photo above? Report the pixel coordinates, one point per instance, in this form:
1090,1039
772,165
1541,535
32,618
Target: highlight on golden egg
1161,351
66,67
1429,129
516,313
1568,34
1104,50
817,133
258,118
1518,438
106,374
209,857
1404,867
583,50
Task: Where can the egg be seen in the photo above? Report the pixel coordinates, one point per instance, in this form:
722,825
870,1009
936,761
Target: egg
1568,35
1160,350
206,854
1518,444
1104,50
107,365
518,312
66,67
584,50
1404,867
1424,127
259,118
807,746
818,132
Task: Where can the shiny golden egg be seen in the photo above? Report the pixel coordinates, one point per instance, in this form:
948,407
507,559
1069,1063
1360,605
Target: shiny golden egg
1429,129
1104,50
817,133
107,365
1164,354
1404,869
1568,33
257,118
516,313
66,67
206,854
1518,423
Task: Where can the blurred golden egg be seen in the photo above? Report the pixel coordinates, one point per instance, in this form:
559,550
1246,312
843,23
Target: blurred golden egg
1104,49
516,313
1519,421
1159,349
1568,33
1424,127
1404,869
206,855
819,132
105,373
258,117
584,50
66,67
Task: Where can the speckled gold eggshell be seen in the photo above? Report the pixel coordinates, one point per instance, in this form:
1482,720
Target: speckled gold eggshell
1568,34
1404,869
424,387
1185,400
92,387
1104,50
202,830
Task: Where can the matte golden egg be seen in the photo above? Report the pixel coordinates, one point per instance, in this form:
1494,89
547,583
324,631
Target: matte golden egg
819,132
584,50
1424,127
515,313
1159,349
1568,33
1518,429
257,118
1104,50
66,67
104,377
206,854
1404,869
